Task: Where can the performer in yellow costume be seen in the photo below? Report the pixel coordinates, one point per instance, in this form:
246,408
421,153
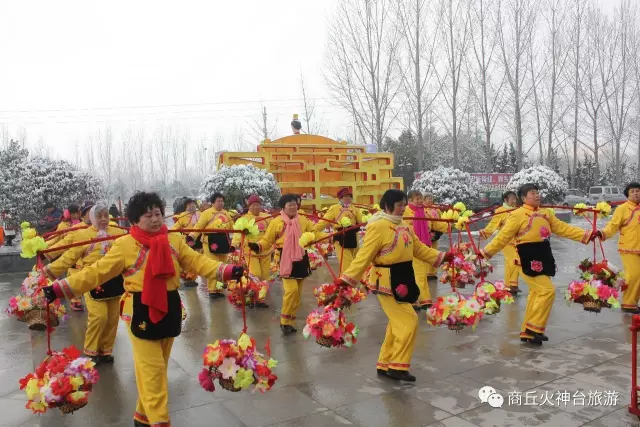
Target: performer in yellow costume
284,233
260,263
511,261
67,239
103,303
185,220
391,246
150,259
626,221
530,228
70,219
437,229
216,246
346,245
423,231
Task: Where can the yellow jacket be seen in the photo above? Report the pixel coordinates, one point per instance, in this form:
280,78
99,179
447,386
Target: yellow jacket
275,234
82,256
129,258
626,220
186,220
208,217
530,225
263,226
386,243
64,225
497,221
65,240
336,213
429,213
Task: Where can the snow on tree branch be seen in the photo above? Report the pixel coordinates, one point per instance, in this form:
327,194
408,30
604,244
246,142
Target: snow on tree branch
448,186
238,182
552,186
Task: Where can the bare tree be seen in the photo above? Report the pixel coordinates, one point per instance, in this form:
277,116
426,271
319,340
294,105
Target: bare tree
419,81
22,136
514,22
577,41
310,121
162,142
537,75
106,155
455,39
261,129
362,64
487,84
5,139
620,93
90,152
636,56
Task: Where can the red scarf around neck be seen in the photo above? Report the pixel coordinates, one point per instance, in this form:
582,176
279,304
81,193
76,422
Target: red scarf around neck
159,268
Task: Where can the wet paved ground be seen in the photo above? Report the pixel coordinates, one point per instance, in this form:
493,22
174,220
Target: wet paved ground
587,354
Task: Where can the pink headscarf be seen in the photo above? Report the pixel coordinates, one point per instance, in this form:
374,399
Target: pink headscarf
291,250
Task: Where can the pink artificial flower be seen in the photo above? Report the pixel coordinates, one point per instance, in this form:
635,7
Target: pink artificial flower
545,233
402,290
536,266
213,246
206,381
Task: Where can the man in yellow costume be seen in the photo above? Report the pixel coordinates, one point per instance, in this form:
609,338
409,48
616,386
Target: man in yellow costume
510,252
530,228
423,230
260,263
284,232
391,246
346,215
626,221
185,220
150,259
103,303
437,228
217,246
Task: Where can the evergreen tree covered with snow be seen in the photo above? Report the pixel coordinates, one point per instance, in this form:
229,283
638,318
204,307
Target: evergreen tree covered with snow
238,182
28,182
552,186
448,186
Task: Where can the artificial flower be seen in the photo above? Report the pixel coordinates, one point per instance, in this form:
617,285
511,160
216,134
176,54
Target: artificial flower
206,380
345,222
244,378
545,233
229,368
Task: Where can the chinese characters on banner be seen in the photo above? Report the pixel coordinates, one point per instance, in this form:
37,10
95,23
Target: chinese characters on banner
564,398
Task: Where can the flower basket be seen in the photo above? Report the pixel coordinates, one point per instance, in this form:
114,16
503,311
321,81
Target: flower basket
37,321
315,259
492,295
30,305
237,365
592,305
462,270
336,296
63,381
598,287
330,328
253,289
456,311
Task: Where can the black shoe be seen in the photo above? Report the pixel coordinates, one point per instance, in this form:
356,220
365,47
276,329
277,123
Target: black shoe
137,423
95,359
542,337
533,341
417,308
631,310
426,307
190,284
400,375
381,372
514,291
216,295
262,305
288,329
106,358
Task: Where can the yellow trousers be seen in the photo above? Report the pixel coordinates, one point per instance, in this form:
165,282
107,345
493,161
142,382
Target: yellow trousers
541,295
431,270
102,325
420,269
290,300
212,284
511,270
345,257
400,338
260,266
151,359
631,265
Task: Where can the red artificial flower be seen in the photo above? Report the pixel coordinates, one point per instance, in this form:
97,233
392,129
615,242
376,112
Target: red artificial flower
24,381
57,365
206,380
402,290
42,369
213,246
536,266
263,370
61,386
545,233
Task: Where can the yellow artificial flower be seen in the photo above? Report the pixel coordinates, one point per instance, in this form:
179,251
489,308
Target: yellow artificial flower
24,224
578,207
76,382
462,222
345,222
460,207
244,342
29,233
272,363
263,292
244,378
604,209
467,213
32,390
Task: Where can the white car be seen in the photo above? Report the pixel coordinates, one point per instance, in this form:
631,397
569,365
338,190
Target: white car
606,193
573,197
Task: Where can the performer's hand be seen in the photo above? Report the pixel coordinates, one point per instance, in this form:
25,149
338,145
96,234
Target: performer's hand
49,294
254,247
449,256
340,282
596,235
237,272
191,241
232,249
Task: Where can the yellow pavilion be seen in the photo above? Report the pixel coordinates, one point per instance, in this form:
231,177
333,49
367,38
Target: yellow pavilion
317,167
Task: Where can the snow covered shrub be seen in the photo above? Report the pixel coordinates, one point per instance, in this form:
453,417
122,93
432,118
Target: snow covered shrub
27,183
238,182
448,186
552,186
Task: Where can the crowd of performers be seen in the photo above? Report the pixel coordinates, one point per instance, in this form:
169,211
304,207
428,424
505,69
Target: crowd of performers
136,276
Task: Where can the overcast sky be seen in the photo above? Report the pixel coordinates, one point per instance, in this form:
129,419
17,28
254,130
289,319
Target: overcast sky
67,64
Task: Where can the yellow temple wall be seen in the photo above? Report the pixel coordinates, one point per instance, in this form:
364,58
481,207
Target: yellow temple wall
315,165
